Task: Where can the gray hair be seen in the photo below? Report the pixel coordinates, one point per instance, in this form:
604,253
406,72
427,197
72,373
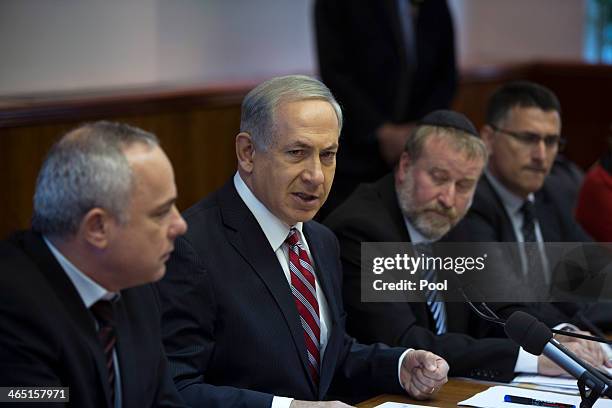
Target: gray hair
462,141
259,105
86,169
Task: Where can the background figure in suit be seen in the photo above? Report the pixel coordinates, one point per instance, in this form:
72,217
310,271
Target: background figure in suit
514,200
420,202
252,301
389,63
76,308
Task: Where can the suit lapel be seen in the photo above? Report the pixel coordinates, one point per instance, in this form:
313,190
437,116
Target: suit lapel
247,237
547,221
68,296
506,230
388,195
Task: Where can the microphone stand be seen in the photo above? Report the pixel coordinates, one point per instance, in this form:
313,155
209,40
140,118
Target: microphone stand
591,383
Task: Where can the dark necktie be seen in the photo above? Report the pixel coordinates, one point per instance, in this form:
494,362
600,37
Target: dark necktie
434,300
103,311
535,269
304,292
529,218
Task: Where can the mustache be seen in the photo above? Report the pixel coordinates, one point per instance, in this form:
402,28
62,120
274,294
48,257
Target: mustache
436,207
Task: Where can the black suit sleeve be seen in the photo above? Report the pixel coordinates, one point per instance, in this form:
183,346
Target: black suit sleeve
394,323
189,310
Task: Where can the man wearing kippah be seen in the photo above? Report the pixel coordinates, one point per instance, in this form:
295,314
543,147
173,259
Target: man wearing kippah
428,193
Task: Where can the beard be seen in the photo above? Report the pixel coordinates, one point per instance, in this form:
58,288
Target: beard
430,219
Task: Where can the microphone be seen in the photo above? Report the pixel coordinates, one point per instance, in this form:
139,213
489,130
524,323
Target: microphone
491,316
533,335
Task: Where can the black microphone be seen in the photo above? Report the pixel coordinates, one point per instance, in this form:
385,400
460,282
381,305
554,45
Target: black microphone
533,335
491,316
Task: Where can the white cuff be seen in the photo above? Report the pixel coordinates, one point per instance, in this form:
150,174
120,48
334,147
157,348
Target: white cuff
526,362
281,402
399,366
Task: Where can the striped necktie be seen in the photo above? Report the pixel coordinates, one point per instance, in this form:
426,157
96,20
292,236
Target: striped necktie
434,299
103,311
304,292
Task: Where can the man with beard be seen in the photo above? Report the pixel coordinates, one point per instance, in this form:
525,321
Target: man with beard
429,192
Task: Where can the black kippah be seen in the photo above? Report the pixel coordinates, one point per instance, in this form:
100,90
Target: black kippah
447,118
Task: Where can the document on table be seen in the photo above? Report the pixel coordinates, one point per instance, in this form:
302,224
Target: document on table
399,405
567,385
494,398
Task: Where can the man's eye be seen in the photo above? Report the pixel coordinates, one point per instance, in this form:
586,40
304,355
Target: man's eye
296,152
329,155
162,213
465,186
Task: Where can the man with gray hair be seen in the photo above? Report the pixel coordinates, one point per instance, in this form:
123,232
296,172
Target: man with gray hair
77,311
252,302
420,202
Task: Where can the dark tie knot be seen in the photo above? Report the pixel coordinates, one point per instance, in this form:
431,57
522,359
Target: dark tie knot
424,249
293,239
528,210
103,311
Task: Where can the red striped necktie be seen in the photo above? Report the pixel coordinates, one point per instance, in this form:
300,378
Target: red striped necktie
305,296
103,311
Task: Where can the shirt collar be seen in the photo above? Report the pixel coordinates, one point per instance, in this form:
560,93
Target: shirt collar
89,291
276,231
511,201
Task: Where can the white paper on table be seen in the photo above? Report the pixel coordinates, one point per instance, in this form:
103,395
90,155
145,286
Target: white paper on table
571,384
566,384
494,398
399,405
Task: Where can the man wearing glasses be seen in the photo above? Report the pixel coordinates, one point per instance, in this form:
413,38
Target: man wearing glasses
515,200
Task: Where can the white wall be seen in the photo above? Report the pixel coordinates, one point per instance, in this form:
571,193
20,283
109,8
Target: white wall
74,44
490,31
70,44
221,39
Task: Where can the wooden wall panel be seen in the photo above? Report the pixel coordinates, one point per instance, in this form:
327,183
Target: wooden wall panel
197,125
199,142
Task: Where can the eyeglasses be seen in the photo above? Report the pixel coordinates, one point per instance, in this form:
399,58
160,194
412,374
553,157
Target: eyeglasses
533,139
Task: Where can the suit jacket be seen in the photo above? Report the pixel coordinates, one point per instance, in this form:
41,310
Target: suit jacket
488,221
362,60
48,337
230,321
372,214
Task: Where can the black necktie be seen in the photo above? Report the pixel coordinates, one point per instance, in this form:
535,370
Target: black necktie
103,311
529,218
535,269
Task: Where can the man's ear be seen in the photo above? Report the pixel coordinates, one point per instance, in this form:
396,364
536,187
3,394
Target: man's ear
487,134
403,165
245,151
96,227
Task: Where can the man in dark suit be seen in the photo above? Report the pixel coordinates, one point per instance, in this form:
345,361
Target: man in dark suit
252,298
388,62
420,202
515,200
76,308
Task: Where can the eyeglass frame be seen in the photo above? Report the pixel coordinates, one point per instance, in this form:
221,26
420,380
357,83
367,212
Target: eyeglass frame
533,139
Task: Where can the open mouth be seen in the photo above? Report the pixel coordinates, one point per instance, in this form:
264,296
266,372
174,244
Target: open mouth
306,198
